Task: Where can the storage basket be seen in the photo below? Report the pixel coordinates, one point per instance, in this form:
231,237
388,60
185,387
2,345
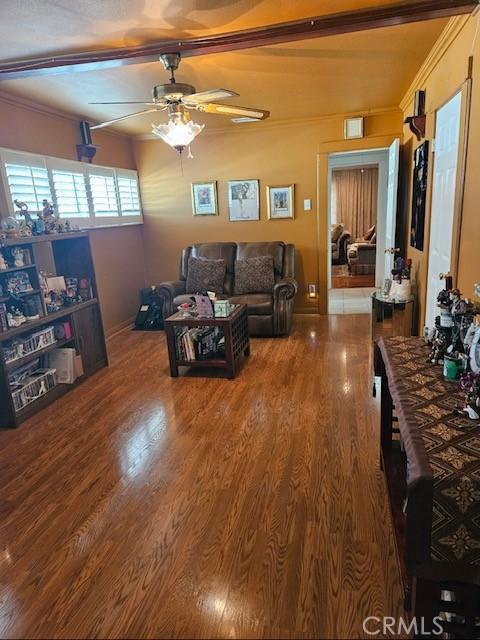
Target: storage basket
33,387
29,344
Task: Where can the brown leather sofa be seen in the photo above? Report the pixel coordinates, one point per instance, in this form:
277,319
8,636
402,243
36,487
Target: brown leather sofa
269,314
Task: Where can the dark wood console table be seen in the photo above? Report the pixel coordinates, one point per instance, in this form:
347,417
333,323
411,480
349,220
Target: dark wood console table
431,460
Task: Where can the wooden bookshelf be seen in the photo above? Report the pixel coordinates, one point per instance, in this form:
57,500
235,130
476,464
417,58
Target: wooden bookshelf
66,255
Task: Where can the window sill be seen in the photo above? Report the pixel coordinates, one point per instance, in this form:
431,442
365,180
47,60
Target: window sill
112,226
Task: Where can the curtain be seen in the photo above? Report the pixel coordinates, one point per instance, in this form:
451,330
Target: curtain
355,193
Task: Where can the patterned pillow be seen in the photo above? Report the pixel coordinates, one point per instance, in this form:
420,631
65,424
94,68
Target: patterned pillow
369,234
205,274
254,275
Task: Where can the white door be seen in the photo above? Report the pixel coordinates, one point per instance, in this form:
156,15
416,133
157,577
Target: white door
447,138
391,214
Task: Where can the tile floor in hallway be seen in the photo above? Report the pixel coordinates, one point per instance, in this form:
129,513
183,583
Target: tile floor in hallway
346,301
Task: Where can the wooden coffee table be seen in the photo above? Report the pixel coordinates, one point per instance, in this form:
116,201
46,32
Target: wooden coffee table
237,343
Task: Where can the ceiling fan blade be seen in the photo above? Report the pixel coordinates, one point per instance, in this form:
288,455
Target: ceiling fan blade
208,96
130,115
231,110
123,102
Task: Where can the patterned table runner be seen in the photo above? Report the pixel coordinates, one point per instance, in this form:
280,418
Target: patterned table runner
440,443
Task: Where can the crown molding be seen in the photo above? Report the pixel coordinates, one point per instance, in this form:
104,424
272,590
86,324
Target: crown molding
280,124
441,46
26,103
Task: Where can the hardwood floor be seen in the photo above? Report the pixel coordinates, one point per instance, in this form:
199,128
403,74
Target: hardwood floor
141,506
341,279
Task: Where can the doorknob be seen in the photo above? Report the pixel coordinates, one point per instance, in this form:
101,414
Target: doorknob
392,250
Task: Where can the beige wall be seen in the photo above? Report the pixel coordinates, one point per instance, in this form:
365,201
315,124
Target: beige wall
441,81
280,154
117,252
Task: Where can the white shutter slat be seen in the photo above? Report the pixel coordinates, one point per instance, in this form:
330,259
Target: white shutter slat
28,184
104,195
128,195
71,194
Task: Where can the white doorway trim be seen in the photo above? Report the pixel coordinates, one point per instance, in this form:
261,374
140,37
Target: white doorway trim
362,158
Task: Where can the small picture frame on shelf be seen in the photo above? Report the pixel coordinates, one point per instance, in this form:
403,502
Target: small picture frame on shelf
280,202
243,200
204,198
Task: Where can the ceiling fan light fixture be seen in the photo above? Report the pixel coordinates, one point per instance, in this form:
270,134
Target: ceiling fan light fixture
179,131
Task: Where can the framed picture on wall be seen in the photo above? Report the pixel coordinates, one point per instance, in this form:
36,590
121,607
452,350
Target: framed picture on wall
280,202
419,197
243,200
204,198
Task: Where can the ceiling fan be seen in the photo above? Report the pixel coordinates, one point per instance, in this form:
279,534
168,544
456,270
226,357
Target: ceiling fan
177,98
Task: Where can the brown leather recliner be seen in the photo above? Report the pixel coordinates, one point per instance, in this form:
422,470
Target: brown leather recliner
362,254
339,241
269,314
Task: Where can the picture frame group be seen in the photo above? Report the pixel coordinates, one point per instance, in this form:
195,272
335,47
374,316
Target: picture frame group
244,200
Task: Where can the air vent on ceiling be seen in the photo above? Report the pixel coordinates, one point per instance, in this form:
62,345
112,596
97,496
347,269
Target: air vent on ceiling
353,128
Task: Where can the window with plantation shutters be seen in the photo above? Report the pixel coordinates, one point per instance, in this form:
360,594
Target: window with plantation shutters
128,195
87,194
28,184
71,194
104,195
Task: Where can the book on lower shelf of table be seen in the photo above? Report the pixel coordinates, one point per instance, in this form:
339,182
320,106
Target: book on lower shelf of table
200,343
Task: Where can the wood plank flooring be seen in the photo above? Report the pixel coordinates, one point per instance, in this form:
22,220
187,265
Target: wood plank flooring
341,279
141,506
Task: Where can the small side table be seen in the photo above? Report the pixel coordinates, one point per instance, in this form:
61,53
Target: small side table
391,317
237,342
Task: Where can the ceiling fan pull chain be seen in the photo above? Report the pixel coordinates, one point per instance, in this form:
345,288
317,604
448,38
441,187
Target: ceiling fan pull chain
189,154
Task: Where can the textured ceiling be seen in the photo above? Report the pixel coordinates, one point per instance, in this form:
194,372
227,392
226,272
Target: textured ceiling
348,73
39,27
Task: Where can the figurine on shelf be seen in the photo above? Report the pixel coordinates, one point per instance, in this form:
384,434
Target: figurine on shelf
17,257
401,287
3,262
15,312
49,217
53,302
26,228
18,282
10,227
30,309
439,348
470,385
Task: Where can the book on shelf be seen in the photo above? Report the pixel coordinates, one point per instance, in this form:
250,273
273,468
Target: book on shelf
200,343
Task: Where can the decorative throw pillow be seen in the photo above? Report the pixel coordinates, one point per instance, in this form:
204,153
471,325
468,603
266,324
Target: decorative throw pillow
373,239
204,274
369,233
254,275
